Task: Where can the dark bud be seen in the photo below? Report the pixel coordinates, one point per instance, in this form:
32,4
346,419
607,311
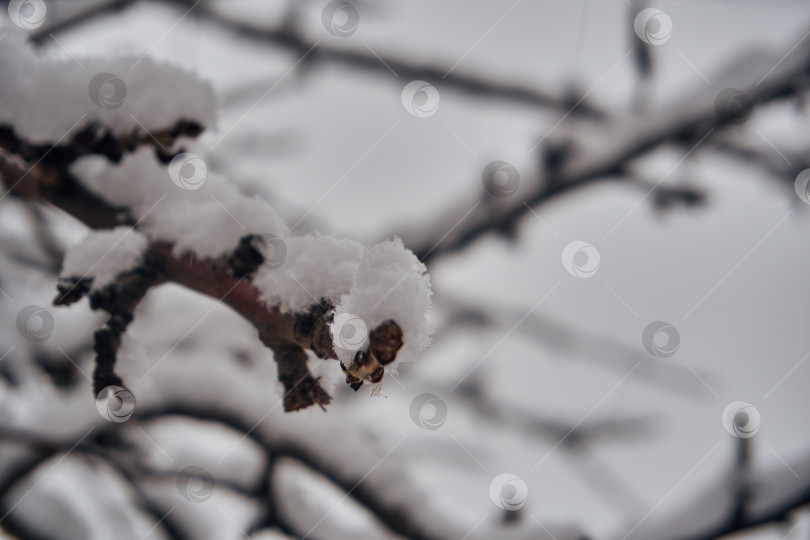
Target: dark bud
377,375
361,358
385,341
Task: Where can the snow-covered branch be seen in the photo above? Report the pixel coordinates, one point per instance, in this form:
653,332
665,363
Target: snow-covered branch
399,507
771,495
103,160
286,36
607,151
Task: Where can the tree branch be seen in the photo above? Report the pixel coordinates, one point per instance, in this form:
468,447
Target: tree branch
568,166
290,39
225,279
741,499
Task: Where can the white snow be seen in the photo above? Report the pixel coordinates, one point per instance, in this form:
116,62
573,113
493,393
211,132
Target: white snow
208,220
315,267
53,98
103,255
211,227
723,341
202,213
391,283
133,183
304,495
383,282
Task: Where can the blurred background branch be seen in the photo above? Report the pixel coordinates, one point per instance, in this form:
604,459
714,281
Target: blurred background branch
420,473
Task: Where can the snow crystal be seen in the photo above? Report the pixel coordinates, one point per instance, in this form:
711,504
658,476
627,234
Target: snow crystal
208,220
134,184
192,207
383,282
103,255
212,227
391,283
47,99
315,267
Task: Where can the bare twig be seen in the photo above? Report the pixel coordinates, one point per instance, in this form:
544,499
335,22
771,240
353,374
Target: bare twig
288,37
607,157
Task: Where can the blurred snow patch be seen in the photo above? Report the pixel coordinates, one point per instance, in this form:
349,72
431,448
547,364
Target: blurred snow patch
53,98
